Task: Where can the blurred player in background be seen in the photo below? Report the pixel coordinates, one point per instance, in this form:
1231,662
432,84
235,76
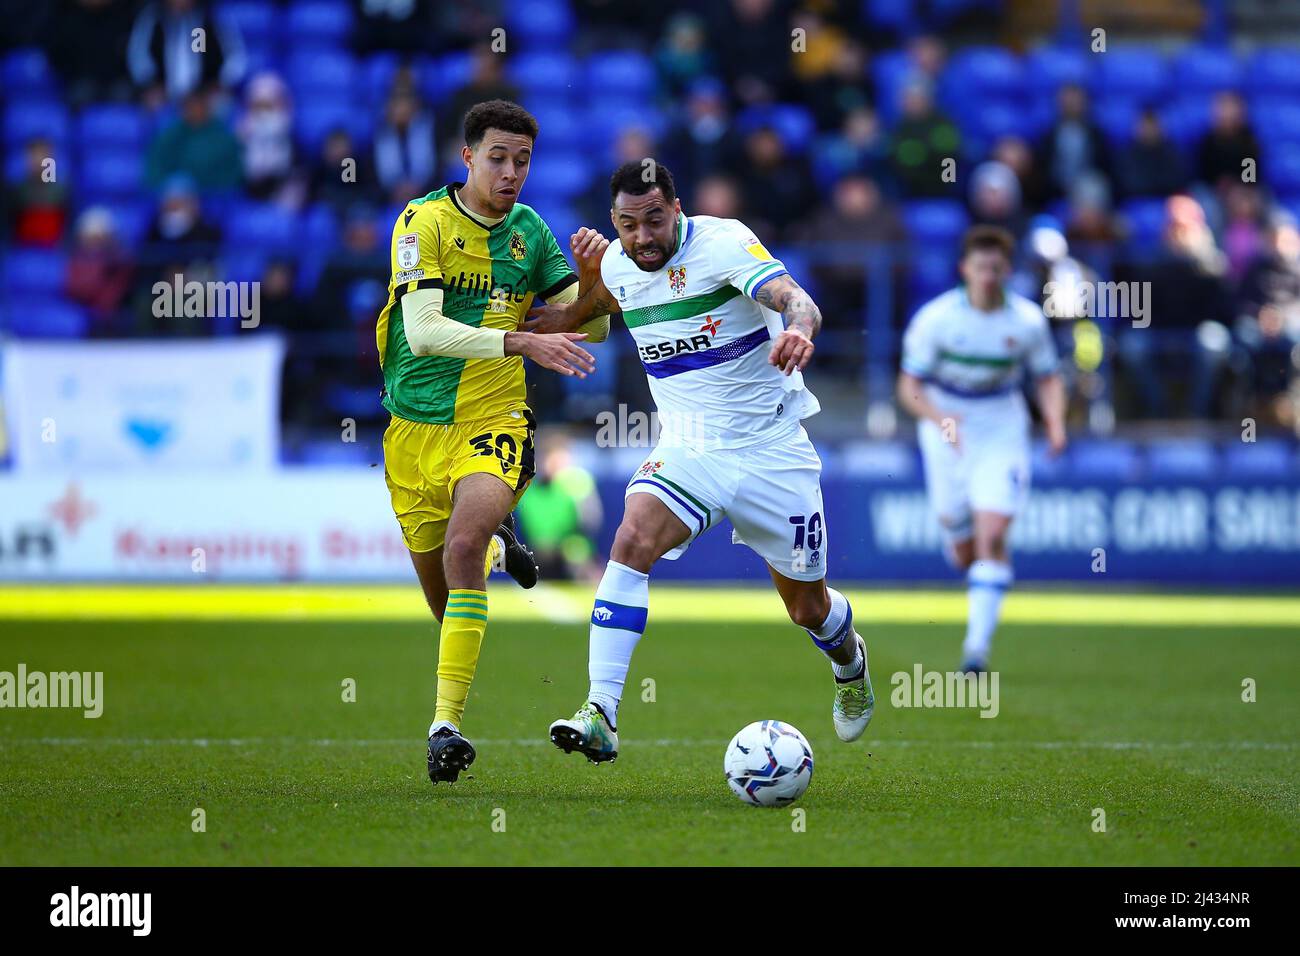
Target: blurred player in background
467,261
963,356
723,332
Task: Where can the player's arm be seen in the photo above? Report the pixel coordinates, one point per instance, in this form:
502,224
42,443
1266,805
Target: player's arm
587,308
920,355
429,332
1050,392
793,348
911,395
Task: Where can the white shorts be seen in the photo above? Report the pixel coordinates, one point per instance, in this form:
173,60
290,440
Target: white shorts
990,473
772,493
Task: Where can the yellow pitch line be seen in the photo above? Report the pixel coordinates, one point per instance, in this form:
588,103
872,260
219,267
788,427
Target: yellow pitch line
668,603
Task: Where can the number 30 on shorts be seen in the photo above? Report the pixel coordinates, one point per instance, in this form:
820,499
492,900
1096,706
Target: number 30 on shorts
502,445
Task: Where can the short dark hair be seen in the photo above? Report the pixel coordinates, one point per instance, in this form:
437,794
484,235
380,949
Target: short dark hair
638,177
988,237
498,114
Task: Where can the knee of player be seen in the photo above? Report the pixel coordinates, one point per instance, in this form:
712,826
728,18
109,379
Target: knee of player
464,550
989,547
810,610
634,545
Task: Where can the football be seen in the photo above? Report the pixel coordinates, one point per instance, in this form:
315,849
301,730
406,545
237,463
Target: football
768,764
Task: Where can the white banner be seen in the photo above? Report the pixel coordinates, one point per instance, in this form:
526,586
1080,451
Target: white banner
211,403
293,524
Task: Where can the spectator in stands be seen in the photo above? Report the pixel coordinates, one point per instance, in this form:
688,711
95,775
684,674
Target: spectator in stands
1017,155
859,146
718,195
180,222
487,82
408,26
266,133
405,154
820,45
778,185
1190,310
87,50
702,140
1229,142
927,55
363,256
1242,234
328,184
168,60
1090,220
197,144
1268,322
920,143
752,44
100,271
995,198
1151,165
36,206
1074,146
682,56
845,86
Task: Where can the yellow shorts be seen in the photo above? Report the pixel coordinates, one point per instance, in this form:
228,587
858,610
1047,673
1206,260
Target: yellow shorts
424,462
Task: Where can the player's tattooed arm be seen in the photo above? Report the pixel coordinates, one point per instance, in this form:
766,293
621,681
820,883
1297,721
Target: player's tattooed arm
593,299
793,348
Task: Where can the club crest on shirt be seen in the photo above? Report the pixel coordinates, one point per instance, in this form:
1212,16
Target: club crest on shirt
518,248
677,279
649,468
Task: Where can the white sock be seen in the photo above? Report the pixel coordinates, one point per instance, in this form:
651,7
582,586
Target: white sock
987,583
835,630
617,622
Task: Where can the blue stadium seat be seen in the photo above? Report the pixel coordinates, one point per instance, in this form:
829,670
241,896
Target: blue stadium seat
607,118
132,217
322,227
1136,72
256,20
544,73
27,72
112,173
323,73
34,272
1054,66
1180,459
27,118
985,120
325,22
890,70
564,179
111,125
1186,120
541,24
1275,117
1146,221
35,317
1093,459
316,119
1274,71
1117,116
897,16
441,76
1268,458
621,73
260,226
985,71
934,270
1280,167
937,221
1207,69
560,125
377,74
793,123
880,460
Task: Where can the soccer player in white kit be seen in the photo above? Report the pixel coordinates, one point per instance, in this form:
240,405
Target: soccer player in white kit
723,332
964,354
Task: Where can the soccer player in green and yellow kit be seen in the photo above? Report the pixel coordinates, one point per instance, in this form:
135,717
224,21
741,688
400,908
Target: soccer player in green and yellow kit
467,262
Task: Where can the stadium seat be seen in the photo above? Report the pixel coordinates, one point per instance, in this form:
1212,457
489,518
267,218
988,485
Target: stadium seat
111,125
33,272
985,71
937,221
1181,458
564,180
1093,459
1186,120
1274,71
322,73
896,16
621,73
315,120
112,173
378,72
1267,458
256,20
1277,117
439,77
36,317
28,118
1146,221
323,22
1117,116
26,73
260,226
1207,70
1280,167
1135,72
541,24
880,460
1052,67
132,217
544,73
795,124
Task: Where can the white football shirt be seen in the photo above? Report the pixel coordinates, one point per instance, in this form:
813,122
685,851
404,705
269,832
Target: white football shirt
704,340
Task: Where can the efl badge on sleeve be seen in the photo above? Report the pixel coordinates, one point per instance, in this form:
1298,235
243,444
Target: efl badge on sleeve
408,251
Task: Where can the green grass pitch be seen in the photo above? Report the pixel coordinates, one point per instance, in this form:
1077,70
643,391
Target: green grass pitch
246,721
